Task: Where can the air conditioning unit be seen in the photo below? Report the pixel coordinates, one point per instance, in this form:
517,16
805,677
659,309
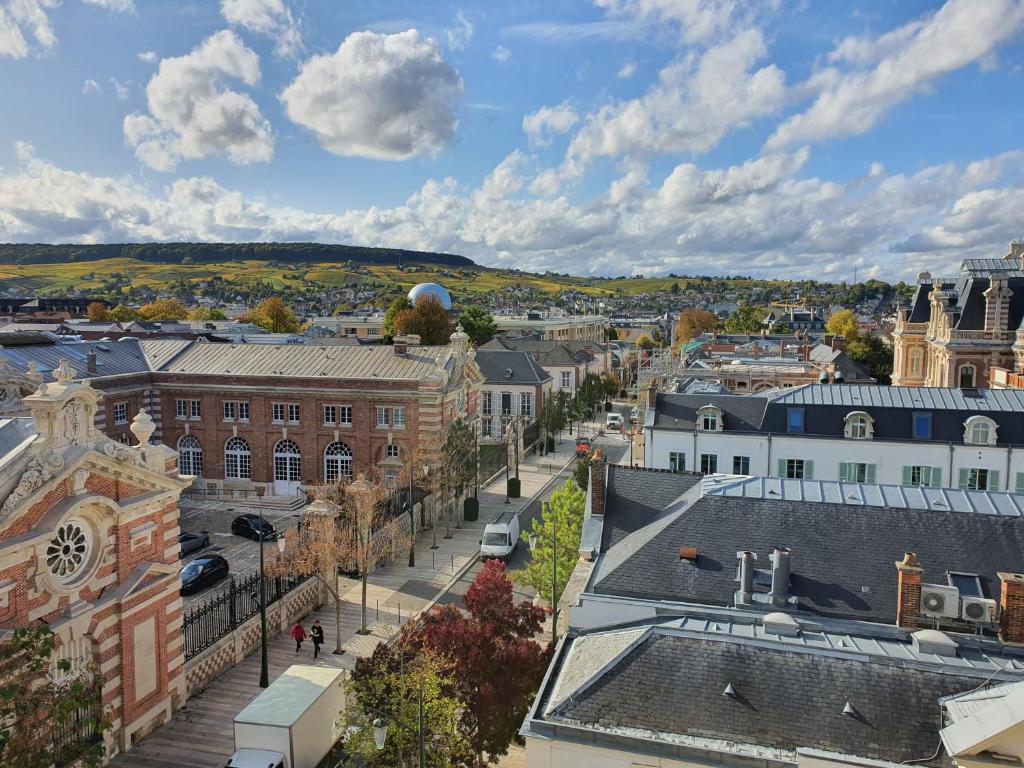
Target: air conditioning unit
940,601
978,610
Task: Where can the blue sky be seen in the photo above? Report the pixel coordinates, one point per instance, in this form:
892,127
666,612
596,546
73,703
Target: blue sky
605,137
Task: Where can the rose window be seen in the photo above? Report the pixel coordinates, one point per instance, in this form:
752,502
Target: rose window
68,551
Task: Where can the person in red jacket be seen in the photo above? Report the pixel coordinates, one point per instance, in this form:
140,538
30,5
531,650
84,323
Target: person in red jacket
298,635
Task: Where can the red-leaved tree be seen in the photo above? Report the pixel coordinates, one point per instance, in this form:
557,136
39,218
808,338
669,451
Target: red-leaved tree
497,664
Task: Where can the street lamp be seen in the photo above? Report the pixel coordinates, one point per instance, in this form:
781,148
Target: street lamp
380,728
264,666
533,539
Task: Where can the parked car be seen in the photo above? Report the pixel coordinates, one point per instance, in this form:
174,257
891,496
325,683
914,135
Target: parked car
248,525
634,414
613,421
202,572
582,446
192,542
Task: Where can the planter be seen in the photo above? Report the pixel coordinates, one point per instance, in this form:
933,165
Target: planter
608,405
513,488
470,509
550,443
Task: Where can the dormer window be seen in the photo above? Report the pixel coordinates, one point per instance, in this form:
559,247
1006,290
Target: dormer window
859,426
709,419
979,430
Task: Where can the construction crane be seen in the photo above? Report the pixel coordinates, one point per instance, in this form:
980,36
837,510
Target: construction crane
790,306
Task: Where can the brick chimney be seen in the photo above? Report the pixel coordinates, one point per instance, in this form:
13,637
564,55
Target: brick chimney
90,361
1011,607
401,345
805,353
838,343
652,395
908,591
598,466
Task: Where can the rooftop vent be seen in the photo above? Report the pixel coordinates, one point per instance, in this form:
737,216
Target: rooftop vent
729,691
507,373
933,641
850,710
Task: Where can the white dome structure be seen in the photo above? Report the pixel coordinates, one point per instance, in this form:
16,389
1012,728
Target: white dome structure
432,289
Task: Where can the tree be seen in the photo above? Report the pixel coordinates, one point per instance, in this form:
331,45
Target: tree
746,319
400,304
645,342
123,314
428,320
554,413
591,392
613,335
204,314
842,323
39,698
392,681
692,323
610,385
498,664
460,454
561,522
478,323
581,472
163,309
873,353
97,312
273,315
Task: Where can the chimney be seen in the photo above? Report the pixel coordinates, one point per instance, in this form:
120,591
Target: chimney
745,596
805,351
598,466
401,345
90,361
652,395
757,349
839,343
1016,249
1011,607
908,591
780,575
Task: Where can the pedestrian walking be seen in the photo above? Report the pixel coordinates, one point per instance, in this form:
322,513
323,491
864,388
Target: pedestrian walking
298,635
316,633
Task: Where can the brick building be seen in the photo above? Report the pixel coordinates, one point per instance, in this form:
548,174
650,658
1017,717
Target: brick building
88,546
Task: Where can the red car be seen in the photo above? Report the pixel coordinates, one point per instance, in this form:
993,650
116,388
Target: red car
582,446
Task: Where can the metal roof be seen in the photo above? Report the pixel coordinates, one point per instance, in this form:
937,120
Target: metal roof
924,398
113,358
864,494
159,351
985,267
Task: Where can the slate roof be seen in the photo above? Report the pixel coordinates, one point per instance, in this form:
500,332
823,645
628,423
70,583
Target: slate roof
113,358
547,353
739,412
842,555
521,367
967,289
668,687
636,497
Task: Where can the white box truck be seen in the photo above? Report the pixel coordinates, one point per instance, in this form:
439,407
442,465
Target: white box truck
293,723
500,537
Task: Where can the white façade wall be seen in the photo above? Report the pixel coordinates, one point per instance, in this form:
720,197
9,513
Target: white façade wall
888,457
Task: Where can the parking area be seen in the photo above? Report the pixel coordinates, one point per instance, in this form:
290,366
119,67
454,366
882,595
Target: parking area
213,518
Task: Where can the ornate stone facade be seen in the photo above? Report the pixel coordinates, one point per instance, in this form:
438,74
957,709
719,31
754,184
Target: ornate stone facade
959,328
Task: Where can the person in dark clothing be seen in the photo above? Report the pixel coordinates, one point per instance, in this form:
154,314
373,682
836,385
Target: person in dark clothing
316,633
298,635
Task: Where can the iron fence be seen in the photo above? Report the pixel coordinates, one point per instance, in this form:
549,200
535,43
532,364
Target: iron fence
493,458
222,613
79,726
227,494
531,434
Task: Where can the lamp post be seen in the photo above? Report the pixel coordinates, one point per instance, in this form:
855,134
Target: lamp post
264,666
380,728
533,538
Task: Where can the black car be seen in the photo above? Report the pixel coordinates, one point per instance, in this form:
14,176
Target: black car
202,572
248,525
192,542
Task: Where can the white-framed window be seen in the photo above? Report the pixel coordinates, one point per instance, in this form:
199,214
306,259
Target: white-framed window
293,413
566,379
287,461
230,410
190,456
856,472
486,403
393,417
390,451
741,465
330,415
486,427
979,430
121,413
859,426
967,376
709,419
337,462
398,417
526,404
383,416
195,409
181,409
979,479
506,403
919,475
915,362
373,331
796,469
237,459
677,461
708,463
345,415
277,413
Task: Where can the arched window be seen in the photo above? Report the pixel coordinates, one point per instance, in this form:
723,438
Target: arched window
237,459
980,430
287,461
709,419
967,377
859,425
916,362
190,456
337,462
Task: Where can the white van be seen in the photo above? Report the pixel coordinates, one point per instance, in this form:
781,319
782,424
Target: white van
500,539
613,421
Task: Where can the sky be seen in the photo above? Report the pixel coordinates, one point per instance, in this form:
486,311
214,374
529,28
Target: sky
779,139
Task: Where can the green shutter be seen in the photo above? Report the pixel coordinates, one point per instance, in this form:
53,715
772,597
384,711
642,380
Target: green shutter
935,477
870,476
993,481
844,471
782,467
908,475
1020,482
965,479
808,470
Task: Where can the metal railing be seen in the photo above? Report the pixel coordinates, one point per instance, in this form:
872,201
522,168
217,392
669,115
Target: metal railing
222,494
80,726
231,606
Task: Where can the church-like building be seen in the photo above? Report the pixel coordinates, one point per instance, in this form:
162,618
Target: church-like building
957,328
89,547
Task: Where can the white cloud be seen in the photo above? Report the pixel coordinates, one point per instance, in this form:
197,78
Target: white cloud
192,114
91,86
546,122
119,6
698,20
905,62
121,89
149,57
501,54
388,97
22,19
461,33
627,70
266,17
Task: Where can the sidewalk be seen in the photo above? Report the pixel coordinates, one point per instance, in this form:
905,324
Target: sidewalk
200,733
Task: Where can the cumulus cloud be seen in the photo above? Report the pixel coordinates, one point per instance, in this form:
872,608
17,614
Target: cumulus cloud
119,6
460,33
546,122
22,20
501,54
149,57
896,66
266,17
192,114
387,97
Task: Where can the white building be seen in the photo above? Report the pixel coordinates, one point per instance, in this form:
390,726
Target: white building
947,438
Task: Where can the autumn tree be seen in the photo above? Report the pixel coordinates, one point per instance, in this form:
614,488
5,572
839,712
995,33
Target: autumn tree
40,697
400,304
163,309
561,522
205,314
692,323
842,323
746,319
498,665
428,320
273,315
123,314
478,324
97,312
644,341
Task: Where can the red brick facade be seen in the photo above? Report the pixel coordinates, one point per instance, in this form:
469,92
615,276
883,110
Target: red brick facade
908,608
1011,607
